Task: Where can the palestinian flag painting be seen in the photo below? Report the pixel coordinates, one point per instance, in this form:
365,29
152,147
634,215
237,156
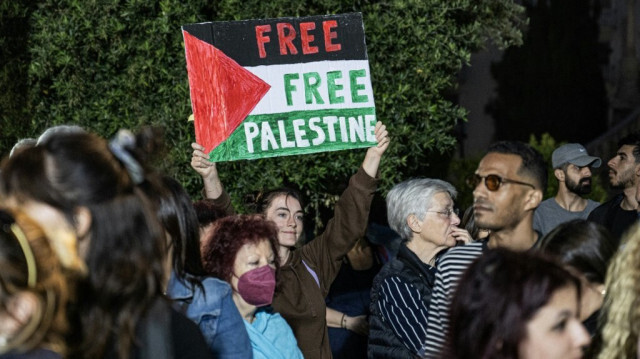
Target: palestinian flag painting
276,87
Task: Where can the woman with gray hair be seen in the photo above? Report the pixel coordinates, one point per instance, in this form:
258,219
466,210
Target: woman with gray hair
422,211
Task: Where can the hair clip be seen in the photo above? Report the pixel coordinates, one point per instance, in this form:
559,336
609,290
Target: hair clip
118,145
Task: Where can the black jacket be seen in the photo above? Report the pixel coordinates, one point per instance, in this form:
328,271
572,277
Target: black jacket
383,343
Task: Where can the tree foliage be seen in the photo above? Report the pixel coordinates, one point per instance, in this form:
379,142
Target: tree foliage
108,64
14,64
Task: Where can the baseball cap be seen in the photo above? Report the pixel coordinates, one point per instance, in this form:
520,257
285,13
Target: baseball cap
575,154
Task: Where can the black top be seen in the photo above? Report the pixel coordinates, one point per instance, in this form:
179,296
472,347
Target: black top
166,334
614,218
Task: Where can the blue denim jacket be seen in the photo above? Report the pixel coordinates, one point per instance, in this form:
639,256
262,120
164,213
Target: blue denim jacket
215,313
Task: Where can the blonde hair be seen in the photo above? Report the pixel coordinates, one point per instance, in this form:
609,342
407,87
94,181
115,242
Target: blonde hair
621,306
48,324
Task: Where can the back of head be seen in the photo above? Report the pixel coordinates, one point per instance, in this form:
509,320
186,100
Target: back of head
207,211
29,265
229,235
58,130
413,197
533,165
582,245
178,217
125,253
66,171
498,294
22,144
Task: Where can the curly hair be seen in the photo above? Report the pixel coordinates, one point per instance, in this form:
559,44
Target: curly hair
228,237
621,309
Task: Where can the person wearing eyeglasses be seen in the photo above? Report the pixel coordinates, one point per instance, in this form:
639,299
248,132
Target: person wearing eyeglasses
572,168
508,186
422,212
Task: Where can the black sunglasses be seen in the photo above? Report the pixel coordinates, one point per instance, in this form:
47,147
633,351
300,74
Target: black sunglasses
493,182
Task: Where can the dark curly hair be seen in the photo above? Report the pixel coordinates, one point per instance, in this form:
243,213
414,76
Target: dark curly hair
229,235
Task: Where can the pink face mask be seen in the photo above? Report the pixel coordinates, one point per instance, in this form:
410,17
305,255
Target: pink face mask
257,286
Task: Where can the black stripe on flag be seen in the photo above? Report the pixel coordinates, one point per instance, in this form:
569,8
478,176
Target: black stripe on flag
261,41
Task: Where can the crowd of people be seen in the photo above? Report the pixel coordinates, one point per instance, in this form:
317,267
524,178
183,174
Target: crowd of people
104,256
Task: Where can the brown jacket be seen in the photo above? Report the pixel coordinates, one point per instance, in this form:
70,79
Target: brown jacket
299,299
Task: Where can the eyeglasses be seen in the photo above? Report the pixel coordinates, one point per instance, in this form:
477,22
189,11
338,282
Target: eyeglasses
447,212
493,182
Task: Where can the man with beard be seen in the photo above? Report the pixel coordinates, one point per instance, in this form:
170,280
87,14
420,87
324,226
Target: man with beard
507,187
572,168
619,213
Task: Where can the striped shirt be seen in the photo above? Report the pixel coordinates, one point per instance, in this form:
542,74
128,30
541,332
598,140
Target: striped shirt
450,268
401,306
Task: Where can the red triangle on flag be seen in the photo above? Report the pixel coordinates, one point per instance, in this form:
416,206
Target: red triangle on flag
223,93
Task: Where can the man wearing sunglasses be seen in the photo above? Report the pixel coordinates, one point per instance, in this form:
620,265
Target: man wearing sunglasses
507,187
572,168
620,213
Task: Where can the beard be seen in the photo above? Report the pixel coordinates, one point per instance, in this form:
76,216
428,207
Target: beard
624,179
582,186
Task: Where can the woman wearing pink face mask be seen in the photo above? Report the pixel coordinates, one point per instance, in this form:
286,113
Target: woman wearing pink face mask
308,271
243,250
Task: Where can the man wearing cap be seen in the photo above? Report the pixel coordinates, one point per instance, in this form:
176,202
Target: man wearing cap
572,168
619,213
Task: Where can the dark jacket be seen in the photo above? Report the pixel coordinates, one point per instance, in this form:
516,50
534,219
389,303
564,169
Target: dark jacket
383,342
299,299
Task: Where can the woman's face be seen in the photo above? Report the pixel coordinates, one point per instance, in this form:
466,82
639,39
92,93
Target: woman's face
555,332
437,225
287,214
252,256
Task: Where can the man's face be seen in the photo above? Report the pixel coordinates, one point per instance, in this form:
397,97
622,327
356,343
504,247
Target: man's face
505,207
578,179
622,168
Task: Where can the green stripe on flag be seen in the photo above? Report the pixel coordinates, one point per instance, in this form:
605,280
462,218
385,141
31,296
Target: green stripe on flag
298,132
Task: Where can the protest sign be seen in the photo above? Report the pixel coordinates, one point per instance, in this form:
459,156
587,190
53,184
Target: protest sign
275,87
